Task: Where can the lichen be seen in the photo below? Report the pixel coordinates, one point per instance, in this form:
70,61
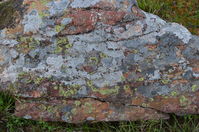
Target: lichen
62,45
140,79
67,91
77,103
27,44
165,81
103,91
194,88
174,93
88,107
183,100
59,28
94,60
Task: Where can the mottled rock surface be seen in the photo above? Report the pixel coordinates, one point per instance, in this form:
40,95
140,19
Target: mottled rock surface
96,60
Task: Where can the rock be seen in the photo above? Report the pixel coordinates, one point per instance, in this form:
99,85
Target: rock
96,60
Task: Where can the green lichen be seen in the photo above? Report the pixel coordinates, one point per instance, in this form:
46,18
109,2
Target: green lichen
103,91
27,44
49,108
126,87
89,108
59,28
102,55
151,99
67,91
183,101
94,60
77,103
44,2
174,93
61,41
12,88
165,81
33,5
144,105
74,111
25,77
38,80
138,70
134,51
123,78
194,87
62,45
64,69
43,14
108,91
135,89
141,79
166,97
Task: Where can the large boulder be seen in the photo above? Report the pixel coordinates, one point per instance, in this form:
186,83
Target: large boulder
96,60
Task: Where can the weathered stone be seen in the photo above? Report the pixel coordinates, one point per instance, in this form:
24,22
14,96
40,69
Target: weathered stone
96,60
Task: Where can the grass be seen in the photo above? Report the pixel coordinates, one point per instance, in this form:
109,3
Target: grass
185,12
10,123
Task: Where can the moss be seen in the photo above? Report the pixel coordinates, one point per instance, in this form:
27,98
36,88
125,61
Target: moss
8,13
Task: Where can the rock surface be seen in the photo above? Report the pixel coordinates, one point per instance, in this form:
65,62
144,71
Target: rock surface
96,60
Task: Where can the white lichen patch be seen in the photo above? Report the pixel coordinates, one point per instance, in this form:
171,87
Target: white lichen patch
83,3
57,7
55,62
155,75
153,22
178,30
8,42
66,21
32,22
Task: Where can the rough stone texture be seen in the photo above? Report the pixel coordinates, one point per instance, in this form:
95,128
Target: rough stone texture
96,60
